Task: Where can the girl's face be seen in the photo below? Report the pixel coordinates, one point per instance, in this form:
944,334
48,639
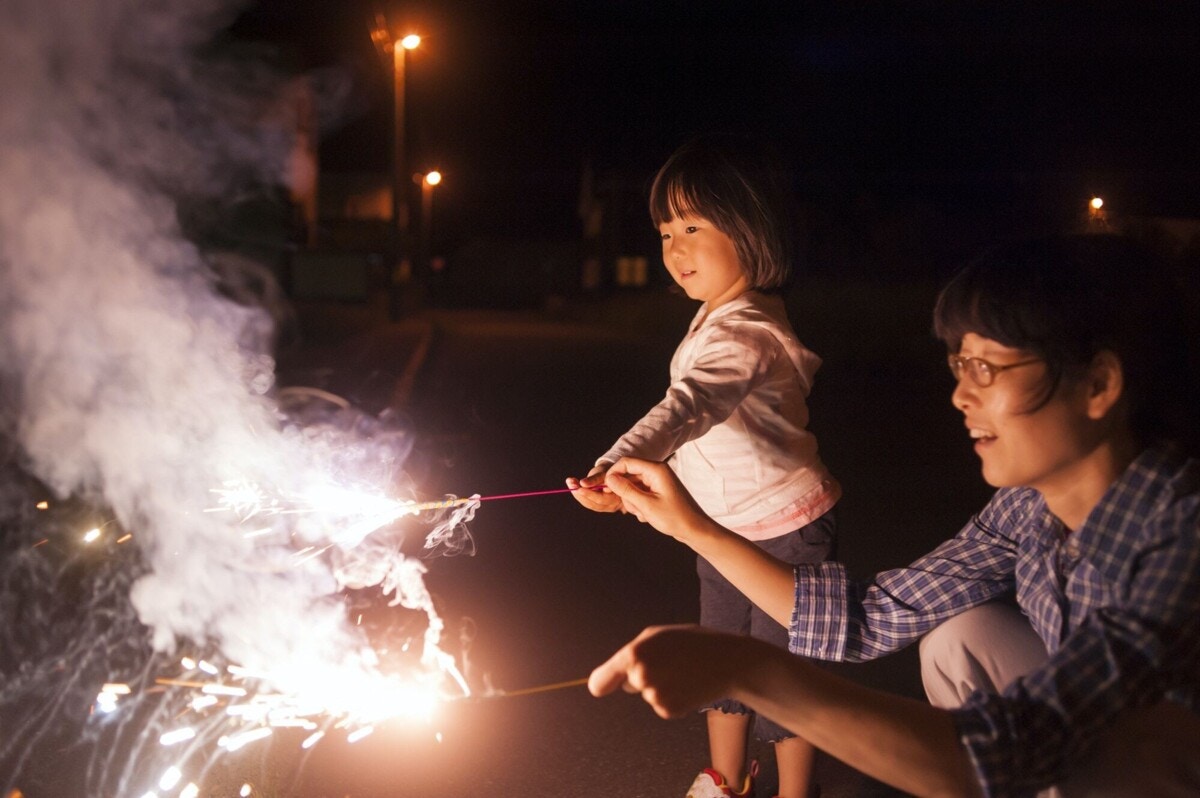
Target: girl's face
1044,449
702,260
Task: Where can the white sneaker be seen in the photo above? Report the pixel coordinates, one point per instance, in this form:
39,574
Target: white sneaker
711,784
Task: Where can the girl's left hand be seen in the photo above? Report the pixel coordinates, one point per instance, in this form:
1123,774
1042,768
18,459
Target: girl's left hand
592,493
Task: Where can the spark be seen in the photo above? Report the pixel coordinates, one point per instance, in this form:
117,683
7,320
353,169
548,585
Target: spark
358,734
91,535
170,778
177,736
238,740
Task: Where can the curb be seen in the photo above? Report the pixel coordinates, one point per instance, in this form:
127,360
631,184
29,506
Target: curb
403,386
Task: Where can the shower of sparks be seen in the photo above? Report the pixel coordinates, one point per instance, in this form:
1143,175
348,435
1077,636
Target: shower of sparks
357,512
231,707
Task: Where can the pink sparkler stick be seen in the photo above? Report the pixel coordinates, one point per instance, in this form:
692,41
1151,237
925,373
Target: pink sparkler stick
536,493
438,505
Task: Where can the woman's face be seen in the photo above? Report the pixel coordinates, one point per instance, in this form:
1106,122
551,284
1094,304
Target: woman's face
1043,449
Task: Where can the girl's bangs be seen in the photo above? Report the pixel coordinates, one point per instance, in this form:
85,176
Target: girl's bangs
673,198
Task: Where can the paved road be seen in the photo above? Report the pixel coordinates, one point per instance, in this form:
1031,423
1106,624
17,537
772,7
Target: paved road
515,401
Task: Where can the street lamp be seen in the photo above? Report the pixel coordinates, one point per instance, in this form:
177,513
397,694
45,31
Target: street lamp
428,181
400,267
1097,216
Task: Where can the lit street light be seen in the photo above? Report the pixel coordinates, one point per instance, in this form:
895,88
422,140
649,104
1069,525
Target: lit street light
401,269
428,181
1097,218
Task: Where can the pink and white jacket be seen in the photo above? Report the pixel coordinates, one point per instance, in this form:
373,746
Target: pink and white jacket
733,422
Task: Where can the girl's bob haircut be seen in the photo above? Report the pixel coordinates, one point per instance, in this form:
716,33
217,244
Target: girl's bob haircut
1068,298
739,187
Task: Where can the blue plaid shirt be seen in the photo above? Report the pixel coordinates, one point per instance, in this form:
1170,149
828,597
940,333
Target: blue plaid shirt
1117,603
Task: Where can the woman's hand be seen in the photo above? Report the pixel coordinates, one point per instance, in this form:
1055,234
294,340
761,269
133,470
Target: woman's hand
653,493
676,669
593,494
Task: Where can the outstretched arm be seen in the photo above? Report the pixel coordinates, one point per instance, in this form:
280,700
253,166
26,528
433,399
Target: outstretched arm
652,492
900,741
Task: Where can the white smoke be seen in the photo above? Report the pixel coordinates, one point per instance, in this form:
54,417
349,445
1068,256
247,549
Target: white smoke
130,379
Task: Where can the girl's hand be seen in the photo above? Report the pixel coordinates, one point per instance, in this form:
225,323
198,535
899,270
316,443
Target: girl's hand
653,493
661,664
593,494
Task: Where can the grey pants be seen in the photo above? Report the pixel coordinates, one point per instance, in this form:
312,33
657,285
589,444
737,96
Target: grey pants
1152,752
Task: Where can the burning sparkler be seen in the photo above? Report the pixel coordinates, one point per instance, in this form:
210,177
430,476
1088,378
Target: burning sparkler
136,387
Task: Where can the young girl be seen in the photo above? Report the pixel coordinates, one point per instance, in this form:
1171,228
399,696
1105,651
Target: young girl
733,422
1075,371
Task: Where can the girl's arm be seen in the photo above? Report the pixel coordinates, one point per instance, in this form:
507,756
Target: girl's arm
652,492
729,364
900,741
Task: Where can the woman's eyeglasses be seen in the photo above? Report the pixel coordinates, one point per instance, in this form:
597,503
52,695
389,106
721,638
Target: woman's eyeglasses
982,372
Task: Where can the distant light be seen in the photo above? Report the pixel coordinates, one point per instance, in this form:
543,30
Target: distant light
433,178
410,42
1097,203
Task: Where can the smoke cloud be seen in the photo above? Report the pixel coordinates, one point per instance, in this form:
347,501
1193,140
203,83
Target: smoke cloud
129,379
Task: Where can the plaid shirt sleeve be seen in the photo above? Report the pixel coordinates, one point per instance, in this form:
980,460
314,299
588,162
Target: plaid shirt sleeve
841,620
1134,639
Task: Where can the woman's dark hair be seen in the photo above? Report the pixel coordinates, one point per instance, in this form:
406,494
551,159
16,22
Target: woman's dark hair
1065,299
740,187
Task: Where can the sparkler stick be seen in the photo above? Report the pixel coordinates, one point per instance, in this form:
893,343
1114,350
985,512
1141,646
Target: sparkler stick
438,505
545,688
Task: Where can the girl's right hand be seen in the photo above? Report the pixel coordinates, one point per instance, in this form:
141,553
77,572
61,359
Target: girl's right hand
593,494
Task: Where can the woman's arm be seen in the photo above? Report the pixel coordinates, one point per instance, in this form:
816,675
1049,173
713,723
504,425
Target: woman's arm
900,741
651,492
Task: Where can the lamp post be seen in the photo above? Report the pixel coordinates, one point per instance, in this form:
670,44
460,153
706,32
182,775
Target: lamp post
401,269
1097,216
428,181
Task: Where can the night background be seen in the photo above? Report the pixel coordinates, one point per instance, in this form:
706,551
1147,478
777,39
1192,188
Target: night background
915,130
195,231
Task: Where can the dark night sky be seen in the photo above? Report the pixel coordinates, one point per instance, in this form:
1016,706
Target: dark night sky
510,98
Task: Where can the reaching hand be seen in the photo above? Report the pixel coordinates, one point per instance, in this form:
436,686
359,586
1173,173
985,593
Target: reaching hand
675,668
653,493
592,493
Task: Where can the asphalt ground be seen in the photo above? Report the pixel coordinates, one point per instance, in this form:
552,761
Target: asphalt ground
508,401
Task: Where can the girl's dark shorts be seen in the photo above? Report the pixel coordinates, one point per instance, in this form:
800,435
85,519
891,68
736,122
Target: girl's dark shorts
723,607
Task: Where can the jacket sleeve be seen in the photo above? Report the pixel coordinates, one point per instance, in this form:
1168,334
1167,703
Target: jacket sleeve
730,364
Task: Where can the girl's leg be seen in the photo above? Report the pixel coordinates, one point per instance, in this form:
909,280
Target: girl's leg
794,756
727,745
724,608
794,759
